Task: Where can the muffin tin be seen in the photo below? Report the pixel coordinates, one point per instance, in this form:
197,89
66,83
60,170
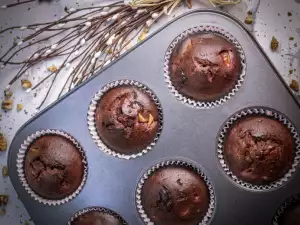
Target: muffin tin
188,133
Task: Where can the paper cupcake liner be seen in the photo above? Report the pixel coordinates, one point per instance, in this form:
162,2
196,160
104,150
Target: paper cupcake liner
197,30
271,113
280,211
92,123
21,173
96,209
181,163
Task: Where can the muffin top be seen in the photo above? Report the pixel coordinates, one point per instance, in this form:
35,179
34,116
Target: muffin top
53,167
175,195
127,119
204,67
259,149
97,218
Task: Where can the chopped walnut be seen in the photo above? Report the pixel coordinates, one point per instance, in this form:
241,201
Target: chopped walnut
274,44
3,143
4,171
294,85
3,200
26,84
19,107
7,104
52,69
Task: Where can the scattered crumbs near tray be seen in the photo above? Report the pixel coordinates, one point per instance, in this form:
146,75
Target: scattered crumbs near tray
52,69
19,107
4,171
2,212
274,44
3,200
3,143
249,18
291,38
294,85
289,14
26,84
7,105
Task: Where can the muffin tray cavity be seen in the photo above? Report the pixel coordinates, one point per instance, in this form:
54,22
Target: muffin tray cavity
191,133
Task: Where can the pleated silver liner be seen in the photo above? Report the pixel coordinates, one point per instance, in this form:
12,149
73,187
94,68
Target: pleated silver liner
181,163
96,209
280,211
268,113
92,123
197,30
21,173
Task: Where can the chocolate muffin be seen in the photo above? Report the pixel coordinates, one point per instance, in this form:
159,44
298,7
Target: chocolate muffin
291,215
97,218
127,119
175,195
204,67
53,167
259,150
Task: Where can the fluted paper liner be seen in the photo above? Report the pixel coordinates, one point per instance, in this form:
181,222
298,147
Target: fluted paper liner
280,211
92,123
180,163
21,173
199,30
96,209
268,113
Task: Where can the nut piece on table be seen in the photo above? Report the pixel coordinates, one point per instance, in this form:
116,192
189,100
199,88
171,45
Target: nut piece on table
3,200
4,171
274,44
249,18
26,84
294,85
52,69
19,107
7,104
3,143
2,212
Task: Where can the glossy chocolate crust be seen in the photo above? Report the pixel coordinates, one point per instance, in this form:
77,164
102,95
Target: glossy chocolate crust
97,218
53,167
204,67
259,149
127,119
175,195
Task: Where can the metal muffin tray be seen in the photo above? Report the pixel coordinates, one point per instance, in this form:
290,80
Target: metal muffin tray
188,133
